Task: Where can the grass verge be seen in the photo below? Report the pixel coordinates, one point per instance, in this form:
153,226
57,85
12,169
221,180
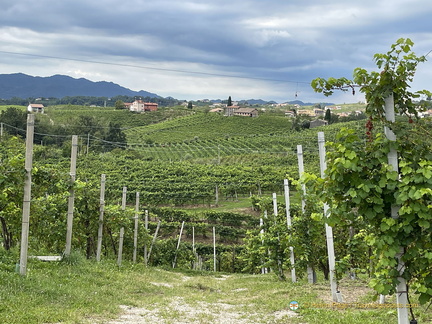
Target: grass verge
90,292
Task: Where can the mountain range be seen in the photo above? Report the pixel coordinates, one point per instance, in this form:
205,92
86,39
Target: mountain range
58,86
20,85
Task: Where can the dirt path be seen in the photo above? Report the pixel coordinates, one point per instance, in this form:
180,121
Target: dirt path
217,313
176,309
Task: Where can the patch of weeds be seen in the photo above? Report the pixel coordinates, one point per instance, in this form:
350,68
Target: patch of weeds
200,286
73,259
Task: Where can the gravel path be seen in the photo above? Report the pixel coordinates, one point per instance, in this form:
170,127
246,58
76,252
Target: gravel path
216,313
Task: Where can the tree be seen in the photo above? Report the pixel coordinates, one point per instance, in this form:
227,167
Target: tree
16,119
229,102
115,137
361,183
119,104
190,105
328,115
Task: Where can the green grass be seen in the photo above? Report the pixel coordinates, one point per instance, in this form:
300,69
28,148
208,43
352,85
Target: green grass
90,292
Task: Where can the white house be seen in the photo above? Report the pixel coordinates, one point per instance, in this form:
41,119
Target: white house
35,108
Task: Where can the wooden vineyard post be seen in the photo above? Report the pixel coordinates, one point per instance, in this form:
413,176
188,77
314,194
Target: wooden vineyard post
392,156
136,227
288,217
263,269
27,195
196,259
101,217
214,249
146,216
328,229
281,274
154,240
178,245
310,272
71,199
120,250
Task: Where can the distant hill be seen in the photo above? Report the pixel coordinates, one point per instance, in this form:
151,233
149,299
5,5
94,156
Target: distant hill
58,86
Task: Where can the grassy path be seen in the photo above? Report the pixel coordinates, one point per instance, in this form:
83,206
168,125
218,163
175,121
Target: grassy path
90,292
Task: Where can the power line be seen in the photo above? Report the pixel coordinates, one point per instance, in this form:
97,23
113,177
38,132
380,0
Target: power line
151,68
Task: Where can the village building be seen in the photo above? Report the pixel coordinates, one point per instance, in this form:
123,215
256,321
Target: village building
141,106
35,108
248,112
318,123
229,110
238,111
216,110
306,112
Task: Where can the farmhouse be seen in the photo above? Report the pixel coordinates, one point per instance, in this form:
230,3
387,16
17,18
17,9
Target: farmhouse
318,123
237,111
35,108
141,106
249,112
216,110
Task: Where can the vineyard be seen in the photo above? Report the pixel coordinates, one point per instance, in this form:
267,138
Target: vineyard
156,194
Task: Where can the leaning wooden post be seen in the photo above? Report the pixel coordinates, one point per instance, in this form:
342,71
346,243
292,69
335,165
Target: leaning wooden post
136,228
101,217
328,229
289,224
71,200
120,250
178,245
27,195
154,240
310,271
392,156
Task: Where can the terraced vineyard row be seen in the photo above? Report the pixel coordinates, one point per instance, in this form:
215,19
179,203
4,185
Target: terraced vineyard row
220,149
206,127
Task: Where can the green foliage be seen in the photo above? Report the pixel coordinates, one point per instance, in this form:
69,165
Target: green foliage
361,185
397,67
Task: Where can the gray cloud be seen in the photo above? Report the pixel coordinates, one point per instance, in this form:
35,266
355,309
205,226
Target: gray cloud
294,42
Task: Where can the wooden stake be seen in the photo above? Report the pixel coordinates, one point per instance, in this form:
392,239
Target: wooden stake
214,249
154,240
27,195
310,272
392,156
71,200
120,251
178,245
329,230
145,242
288,216
101,217
136,228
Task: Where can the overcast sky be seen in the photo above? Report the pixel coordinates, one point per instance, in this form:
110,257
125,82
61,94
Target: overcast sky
246,49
